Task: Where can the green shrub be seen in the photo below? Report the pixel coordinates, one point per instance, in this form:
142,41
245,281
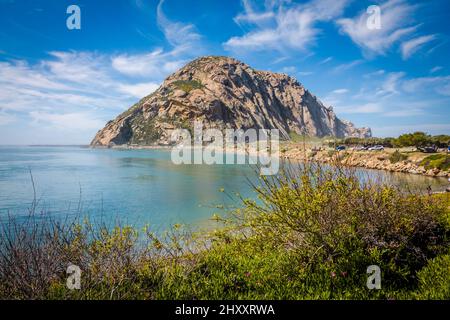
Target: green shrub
439,161
331,216
187,85
397,157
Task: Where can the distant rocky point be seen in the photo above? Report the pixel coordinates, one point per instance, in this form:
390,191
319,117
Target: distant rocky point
225,93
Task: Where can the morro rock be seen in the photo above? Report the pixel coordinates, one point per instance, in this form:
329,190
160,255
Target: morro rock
225,93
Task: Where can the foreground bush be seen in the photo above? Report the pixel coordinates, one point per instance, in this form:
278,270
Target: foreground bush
397,157
311,235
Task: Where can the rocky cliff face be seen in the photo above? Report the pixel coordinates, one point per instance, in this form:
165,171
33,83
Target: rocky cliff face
224,93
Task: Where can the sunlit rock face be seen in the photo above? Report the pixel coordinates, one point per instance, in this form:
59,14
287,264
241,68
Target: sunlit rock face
225,93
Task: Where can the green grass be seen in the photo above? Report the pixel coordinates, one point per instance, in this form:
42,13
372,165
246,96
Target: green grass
439,161
187,85
434,279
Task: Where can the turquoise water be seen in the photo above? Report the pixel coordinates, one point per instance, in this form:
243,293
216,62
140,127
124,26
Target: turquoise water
133,186
137,187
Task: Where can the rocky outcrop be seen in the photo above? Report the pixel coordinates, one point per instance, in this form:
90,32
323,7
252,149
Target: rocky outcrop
224,93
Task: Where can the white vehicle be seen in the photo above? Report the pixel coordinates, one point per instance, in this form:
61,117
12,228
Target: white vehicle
376,148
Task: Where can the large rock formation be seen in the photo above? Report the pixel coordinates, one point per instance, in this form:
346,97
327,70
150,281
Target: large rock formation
224,93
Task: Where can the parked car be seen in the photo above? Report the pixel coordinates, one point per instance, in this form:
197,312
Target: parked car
428,149
376,148
340,148
360,148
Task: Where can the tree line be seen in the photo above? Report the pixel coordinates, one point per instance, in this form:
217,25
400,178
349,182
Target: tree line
416,139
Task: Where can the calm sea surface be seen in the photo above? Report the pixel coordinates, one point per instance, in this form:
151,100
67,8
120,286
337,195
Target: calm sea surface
136,187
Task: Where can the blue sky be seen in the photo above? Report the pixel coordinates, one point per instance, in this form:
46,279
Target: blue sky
59,86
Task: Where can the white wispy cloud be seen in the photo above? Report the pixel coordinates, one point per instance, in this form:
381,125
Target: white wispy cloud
409,47
78,121
155,65
375,73
383,107
19,71
340,91
73,80
177,33
139,90
82,68
389,95
396,17
283,24
65,98
347,66
390,84
57,83
185,44
367,108
280,59
436,69
73,93
69,93
326,60
440,85
250,16
289,70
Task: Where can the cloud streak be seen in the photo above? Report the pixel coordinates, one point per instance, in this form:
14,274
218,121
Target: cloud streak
154,65
283,25
176,33
408,48
396,17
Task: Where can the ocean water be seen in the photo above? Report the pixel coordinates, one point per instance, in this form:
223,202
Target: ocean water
136,187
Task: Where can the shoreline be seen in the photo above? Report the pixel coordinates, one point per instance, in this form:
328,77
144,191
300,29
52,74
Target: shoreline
374,160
